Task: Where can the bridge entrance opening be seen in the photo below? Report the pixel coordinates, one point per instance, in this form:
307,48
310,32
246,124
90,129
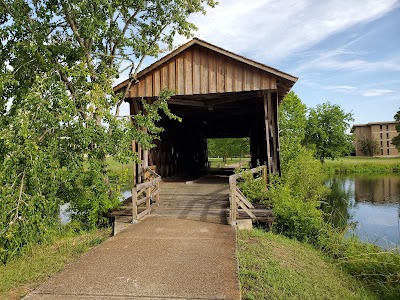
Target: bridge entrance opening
218,94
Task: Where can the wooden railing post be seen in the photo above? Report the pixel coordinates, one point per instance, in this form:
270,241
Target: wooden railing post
158,193
264,173
134,205
148,195
232,200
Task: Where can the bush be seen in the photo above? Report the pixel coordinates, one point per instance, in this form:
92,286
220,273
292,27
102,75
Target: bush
294,217
253,187
296,197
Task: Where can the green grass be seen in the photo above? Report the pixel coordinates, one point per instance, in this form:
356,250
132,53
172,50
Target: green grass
357,160
217,162
355,164
115,166
272,266
27,271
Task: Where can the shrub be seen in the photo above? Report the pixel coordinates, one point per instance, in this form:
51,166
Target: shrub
253,187
296,196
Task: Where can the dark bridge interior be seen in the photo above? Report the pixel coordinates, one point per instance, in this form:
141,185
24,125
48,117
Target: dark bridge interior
183,146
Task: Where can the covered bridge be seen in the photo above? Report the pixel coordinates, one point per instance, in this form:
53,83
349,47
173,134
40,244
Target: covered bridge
218,94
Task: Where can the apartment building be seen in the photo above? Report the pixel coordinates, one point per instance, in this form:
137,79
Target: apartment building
382,132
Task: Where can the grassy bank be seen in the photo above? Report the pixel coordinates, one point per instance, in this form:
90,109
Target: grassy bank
218,162
275,267
35,265
347,165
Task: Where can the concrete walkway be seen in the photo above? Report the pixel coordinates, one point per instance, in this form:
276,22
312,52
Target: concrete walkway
162,257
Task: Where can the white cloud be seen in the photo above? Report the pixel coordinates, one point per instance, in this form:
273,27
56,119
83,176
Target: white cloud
272,30
340,87
377,92
353,64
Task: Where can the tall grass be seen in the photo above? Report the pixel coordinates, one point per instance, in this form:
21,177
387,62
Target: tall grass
377,269
37,263
348,165
275,267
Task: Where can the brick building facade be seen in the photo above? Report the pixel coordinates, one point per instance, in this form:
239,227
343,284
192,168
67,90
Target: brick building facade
381,132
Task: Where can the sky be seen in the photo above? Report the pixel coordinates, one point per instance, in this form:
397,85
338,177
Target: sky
346,52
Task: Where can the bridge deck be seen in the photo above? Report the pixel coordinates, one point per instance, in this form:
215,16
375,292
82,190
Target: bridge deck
205,199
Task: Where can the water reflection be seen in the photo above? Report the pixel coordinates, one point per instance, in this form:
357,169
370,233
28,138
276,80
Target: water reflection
339,201
371,203
377,189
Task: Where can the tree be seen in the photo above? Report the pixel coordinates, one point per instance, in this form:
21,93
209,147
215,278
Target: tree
59,116
228,147
369,146
296,158
296,195
292,125
396,139
326,131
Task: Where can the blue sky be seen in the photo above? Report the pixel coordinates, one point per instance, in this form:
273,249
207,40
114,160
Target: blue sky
345,52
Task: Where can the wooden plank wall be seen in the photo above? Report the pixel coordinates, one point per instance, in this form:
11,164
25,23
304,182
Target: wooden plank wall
198,70
264,136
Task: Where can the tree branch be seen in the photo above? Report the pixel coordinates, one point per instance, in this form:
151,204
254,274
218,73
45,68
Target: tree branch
73,26
86,45
132,77
21,187
116,44
71,89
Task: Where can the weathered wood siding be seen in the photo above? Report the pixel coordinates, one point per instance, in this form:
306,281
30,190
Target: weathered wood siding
202,71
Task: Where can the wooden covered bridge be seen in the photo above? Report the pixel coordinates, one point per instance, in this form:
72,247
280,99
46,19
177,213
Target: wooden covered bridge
218,94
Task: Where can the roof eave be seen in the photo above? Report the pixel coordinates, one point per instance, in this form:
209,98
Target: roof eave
285,76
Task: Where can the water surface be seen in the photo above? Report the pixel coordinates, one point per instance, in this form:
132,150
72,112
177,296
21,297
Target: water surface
370,203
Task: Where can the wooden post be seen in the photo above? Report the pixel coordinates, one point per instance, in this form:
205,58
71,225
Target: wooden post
232,201
140,165
264,174
266,98
134,205
148,194
134,164
158,194
272,116
278,146
145,159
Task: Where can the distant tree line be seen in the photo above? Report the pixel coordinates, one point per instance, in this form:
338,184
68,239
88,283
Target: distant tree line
228,147
323,129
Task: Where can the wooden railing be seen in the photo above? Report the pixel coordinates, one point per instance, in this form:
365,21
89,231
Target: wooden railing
146,193
237,199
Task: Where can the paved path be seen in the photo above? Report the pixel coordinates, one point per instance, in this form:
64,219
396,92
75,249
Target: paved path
165,256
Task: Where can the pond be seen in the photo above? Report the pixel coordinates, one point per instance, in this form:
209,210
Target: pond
370,204
65,214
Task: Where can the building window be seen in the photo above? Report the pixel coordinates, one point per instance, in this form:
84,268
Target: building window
381,144
381,135
380,127
387,151
387,127
387,135
381,151
387,144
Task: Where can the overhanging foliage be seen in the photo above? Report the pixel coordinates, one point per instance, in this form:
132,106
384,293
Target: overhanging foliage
59,116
